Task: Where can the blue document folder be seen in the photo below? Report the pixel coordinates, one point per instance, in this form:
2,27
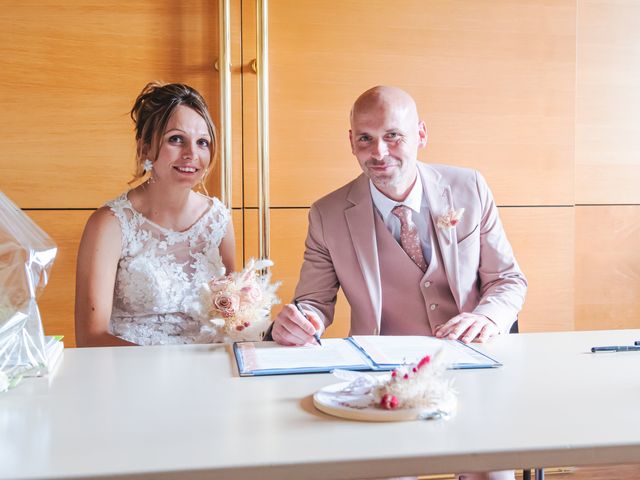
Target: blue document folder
360,352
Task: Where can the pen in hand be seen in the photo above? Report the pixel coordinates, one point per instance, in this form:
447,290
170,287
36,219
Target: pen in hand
617,348
315,335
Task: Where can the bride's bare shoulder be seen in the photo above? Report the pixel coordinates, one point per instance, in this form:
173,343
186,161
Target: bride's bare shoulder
103,222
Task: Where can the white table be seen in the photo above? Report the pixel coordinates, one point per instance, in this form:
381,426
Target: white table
182,412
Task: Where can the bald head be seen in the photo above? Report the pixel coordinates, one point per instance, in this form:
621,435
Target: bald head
385,136
385,98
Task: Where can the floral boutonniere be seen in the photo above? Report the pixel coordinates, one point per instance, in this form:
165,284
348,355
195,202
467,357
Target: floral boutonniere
450,219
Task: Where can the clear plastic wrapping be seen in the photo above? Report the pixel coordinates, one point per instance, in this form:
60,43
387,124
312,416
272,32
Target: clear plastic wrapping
26,256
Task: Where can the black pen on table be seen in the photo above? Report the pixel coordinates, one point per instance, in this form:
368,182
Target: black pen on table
617,348
315,335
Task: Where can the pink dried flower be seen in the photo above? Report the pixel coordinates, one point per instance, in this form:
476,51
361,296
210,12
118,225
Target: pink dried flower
425,360
389,402
226,303
251,293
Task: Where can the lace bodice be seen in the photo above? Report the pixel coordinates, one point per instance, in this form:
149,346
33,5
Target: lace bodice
160,274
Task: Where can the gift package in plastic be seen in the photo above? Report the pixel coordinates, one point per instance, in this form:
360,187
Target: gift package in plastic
26,256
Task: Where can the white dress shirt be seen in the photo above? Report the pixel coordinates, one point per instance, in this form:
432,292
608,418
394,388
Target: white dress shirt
417,202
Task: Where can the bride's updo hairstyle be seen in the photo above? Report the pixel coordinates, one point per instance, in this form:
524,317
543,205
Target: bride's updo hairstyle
151,112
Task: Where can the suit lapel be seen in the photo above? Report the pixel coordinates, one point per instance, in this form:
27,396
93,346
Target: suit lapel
361,223
440,202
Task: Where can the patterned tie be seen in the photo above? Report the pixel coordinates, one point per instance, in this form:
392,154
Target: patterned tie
409,236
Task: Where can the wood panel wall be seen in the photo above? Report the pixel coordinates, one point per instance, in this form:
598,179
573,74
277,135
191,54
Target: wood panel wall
541,96
495,84
607,165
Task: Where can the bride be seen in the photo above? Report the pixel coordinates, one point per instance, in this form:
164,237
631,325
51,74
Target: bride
144,255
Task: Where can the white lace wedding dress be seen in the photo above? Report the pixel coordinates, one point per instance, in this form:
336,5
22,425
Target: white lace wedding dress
160,274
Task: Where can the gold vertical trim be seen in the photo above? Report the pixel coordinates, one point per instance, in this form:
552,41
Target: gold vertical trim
262,49
224,72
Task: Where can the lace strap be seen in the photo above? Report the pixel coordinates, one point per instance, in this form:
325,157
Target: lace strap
222,219
118,207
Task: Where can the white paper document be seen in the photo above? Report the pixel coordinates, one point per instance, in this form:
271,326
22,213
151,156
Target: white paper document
398,350
271,356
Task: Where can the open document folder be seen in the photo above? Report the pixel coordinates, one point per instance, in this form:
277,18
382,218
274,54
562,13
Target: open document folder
353,353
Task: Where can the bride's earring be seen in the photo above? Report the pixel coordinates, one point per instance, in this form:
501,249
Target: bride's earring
147,168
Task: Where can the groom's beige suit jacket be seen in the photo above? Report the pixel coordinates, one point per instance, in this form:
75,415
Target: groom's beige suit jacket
341,252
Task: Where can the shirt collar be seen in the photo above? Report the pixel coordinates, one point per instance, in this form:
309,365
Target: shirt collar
384,204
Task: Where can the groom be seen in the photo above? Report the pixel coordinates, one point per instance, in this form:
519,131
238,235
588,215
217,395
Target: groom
418,249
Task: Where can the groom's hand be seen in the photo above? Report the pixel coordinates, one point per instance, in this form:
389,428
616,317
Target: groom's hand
468,327
291,328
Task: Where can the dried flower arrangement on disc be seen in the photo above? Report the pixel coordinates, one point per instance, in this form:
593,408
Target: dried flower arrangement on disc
411,392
